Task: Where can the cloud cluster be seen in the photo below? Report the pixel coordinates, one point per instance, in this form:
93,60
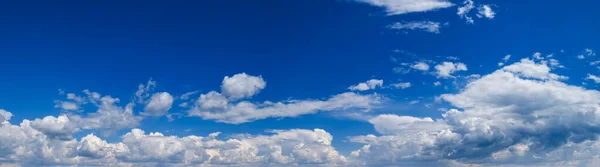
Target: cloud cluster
520,114
31,143
221,108
483,11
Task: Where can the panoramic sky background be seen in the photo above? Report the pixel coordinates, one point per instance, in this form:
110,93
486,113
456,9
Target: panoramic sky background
305,83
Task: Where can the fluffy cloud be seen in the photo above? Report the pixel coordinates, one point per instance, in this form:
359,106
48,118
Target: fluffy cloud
396,7
369,85
159,104
428,26
25,145
446,69
420,66
242,85
516,115
4,116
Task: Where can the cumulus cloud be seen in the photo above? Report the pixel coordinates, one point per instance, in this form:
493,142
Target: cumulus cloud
369,85
503,118
427,26
26,145
446,69
242,85
159,104
396,7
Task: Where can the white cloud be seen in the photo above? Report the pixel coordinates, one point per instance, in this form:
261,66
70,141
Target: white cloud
70,106
403,85
59,127
214,106
529,69
581,57
24,145
446,69
421,66
4,116
468,5
483,11
504,60
159,104
369,85
143,91
507,118
486,11
242,85
187,95
437,83
396,7
428,26
593,78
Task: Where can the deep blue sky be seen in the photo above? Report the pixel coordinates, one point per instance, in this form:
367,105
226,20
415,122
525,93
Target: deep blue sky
303,49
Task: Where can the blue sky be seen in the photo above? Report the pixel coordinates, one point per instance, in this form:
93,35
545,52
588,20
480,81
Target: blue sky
359,78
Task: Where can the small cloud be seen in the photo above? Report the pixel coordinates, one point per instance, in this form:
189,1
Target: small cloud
594,78
413,102
437,83
421,66
402,85
486,11
446,69
369,85
427,26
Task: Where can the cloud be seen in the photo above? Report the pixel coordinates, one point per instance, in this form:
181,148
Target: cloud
396,7
529,69
143,91
446,69
504,60
4,116
369,85
27,146
486,11
159,104
468,5
421,66
437,83
214,106
507,118
427,26
483,11
593,78
403,85
242,85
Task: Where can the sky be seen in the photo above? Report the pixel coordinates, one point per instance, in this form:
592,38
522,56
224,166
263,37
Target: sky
299,83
